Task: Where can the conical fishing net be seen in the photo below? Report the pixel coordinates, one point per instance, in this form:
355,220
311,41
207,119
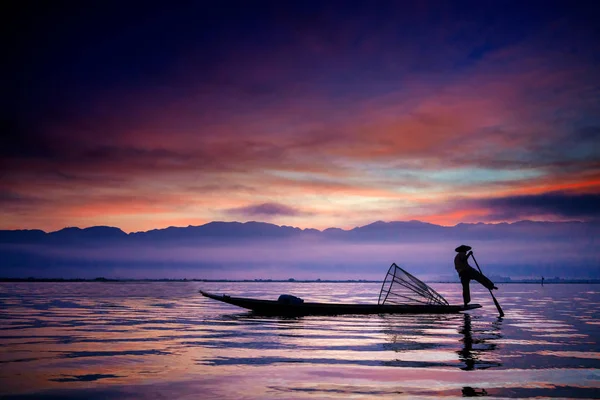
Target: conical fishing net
400,287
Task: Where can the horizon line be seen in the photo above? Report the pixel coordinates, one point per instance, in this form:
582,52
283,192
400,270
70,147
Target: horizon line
506,280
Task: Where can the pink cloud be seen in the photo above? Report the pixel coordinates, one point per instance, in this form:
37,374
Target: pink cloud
220,145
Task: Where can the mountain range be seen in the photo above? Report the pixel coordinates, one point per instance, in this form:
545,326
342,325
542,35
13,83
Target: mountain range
250,250
379,230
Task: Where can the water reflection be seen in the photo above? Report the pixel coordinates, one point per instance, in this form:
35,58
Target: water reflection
251,316
102,340
476,348
471,356
388,340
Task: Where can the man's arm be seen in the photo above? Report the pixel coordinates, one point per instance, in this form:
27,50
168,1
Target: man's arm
469,254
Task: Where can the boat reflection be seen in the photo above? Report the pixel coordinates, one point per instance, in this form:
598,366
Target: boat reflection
478,348
252,316
414,341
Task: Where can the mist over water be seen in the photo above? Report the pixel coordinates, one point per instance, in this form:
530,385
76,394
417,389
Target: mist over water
255,250
164,340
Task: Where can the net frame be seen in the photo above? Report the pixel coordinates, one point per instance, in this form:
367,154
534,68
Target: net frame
399,287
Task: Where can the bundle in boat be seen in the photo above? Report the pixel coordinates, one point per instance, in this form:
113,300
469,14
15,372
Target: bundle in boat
401,288
401,293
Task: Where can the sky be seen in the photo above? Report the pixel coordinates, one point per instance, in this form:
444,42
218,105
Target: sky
146,115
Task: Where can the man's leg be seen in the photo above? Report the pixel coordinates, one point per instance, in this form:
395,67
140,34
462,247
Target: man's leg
479,277
464,279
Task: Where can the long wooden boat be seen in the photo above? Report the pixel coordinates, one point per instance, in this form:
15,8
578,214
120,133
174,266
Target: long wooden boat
274,307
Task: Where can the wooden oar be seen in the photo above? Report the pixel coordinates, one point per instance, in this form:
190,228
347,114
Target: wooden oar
493,297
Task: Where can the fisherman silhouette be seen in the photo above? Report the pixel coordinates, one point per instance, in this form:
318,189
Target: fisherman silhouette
466,272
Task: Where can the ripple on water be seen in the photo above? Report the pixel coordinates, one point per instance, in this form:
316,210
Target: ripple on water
105,340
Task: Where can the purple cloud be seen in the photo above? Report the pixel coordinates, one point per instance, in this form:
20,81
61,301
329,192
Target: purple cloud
267,209
565,205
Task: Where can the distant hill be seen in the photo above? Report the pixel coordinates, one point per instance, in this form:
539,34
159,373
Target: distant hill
227,230
268,251
377,231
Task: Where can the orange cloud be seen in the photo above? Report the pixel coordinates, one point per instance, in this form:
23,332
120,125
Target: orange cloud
159,154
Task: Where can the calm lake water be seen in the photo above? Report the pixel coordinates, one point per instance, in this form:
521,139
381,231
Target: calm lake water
165,341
